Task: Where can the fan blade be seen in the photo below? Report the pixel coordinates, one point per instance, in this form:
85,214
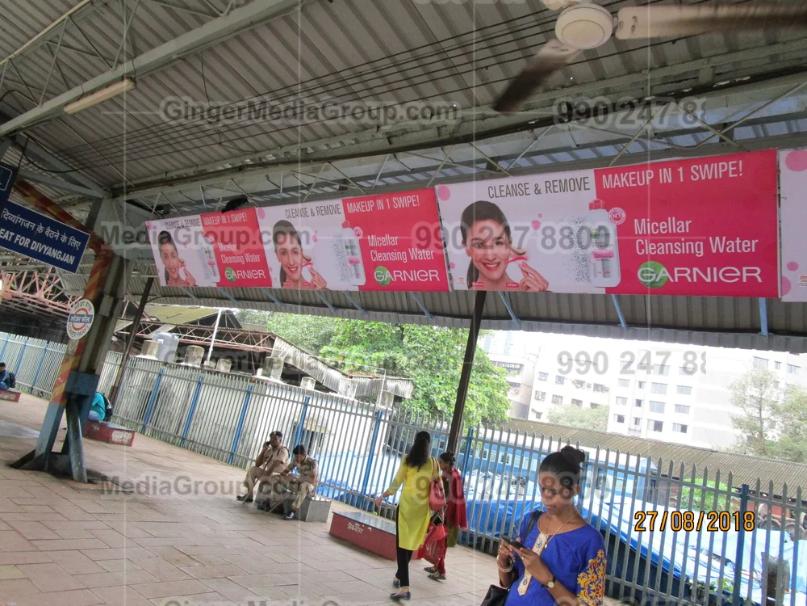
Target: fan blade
551,57
675,21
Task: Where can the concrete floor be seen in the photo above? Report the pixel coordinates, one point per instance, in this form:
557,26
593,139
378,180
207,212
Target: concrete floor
73,544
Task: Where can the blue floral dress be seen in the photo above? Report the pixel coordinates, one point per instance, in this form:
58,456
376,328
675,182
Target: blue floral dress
576,558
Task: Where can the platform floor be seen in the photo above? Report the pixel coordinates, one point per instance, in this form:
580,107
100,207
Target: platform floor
73,544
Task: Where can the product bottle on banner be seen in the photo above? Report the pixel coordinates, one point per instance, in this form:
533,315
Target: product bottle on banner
604,258
208,259
347,252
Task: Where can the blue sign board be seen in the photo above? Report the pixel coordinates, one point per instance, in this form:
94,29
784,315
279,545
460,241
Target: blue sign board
7,175
41,238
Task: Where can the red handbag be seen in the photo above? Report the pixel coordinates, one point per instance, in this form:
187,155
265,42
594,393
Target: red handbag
434,545
437,496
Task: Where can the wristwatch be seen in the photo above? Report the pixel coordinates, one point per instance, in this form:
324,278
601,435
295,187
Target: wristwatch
550,584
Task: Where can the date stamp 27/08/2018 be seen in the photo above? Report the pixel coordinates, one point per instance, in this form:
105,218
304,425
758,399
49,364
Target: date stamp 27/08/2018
689,521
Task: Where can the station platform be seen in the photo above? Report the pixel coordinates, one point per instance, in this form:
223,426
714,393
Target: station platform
152,538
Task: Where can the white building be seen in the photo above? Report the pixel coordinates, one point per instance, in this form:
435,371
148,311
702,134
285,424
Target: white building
661,391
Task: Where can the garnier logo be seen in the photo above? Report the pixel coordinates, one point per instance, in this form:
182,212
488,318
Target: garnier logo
653,274
382,275
229,273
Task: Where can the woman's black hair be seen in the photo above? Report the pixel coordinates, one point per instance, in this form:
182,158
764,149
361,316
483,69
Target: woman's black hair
566,464
481,210
420,451
299,449
448,458
284,228
165,238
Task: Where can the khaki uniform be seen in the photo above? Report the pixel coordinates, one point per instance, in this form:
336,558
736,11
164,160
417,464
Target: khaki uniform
299,486
271,457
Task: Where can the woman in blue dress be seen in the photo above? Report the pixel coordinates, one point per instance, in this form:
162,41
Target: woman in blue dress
561,559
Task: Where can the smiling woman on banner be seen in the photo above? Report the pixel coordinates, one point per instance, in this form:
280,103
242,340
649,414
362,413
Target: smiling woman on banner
174,265
293,262
489,244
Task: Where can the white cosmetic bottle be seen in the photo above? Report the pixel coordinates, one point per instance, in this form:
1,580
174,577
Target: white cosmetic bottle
604,252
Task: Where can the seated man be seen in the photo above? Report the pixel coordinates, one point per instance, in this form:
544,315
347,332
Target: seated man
271,460
297,487
7,380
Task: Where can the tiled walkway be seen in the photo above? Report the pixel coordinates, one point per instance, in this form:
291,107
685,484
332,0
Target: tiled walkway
71,544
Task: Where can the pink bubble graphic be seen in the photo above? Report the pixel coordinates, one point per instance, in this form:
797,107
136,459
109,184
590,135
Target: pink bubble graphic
452,265
443,192
353,260
797,160
345,224
792,266
536,224
785,286
358,232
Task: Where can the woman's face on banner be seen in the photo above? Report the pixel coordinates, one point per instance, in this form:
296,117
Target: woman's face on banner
489,249
170,259
289,255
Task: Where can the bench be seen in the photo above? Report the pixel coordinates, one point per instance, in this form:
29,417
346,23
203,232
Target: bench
10,395
108,432
367,531
313,509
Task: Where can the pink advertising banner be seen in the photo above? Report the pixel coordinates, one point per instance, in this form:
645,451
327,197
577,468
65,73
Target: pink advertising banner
702,227
353,244
793,193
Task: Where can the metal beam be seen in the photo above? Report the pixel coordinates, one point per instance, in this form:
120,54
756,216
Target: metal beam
61,184
619,314
188,43
354,303
763,317
419,302
505,297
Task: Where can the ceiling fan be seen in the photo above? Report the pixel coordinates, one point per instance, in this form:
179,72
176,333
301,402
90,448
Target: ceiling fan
584,25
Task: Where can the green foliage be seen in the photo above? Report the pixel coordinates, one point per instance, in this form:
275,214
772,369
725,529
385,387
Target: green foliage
755,395
586,418
772,425
713,497
431,356
310,333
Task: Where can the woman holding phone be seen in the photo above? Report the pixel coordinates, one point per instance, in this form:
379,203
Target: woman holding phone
558,558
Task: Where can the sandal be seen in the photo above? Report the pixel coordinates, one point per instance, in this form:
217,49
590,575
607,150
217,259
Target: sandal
437,576
430,569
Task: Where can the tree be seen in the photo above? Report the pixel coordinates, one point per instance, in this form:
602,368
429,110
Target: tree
772,424
310,333
756,395
432,357
587,418
792,425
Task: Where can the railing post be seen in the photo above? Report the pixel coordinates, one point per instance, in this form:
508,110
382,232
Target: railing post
466,453
5,344
39,368
298,432
21,356
377,418
239,428
152,401
191,410
738,559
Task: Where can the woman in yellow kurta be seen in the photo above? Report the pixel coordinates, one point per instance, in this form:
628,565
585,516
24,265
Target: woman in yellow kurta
416,473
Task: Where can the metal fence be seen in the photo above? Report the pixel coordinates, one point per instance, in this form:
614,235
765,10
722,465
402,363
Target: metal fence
673,534
34,362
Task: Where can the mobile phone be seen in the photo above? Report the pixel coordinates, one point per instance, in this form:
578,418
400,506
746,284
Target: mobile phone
514,543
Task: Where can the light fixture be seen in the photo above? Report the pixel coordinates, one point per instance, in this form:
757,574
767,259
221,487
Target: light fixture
100,96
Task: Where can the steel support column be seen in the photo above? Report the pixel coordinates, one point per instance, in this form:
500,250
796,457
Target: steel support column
113,394
467,366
